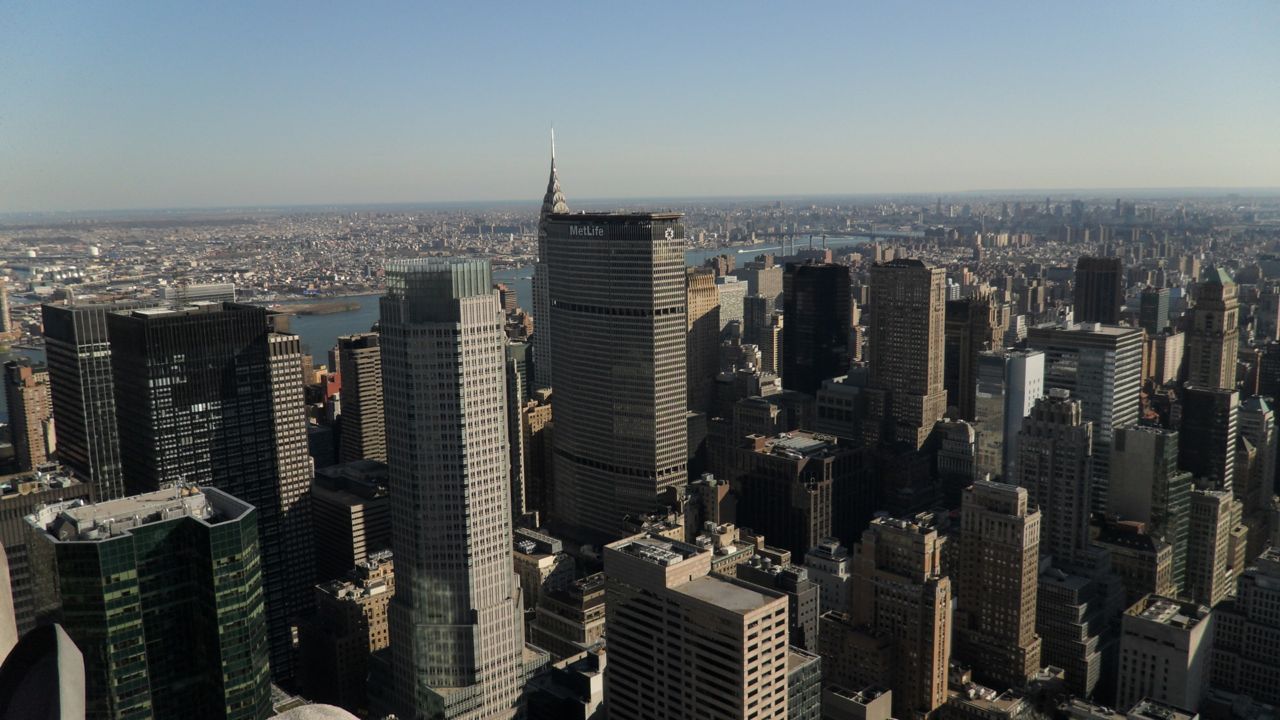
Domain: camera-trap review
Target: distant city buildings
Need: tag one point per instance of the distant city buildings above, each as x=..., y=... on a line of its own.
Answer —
x=804, y=493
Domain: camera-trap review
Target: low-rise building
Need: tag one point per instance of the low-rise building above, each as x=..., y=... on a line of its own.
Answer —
x=570, y=620
x=541, y=563
x=871, y=703
x=828, y=564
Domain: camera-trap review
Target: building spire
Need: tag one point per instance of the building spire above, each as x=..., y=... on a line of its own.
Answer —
x=553, y=201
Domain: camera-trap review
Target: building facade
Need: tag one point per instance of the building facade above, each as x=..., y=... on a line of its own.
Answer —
x=1101, y=366
x=662, y=669
x=209, y=394
x=349, y=624
x=617, y=291
x=457, y=633
x=703, y=336
x=1246, y=628
x=1055, y=456
x=1099, y=288
x=817, y=307
x=897, y=574
x=1155, y=491
x=351, y=512
x=21, y=495
x=1214, y=337
x=364, y=432
x=552, y=202
x=907, y=319
x=996, y=584
x=1007, y=387
x=26, y=393
x=1208, y=574
x=78, y=350
x=1165, y=647
x=1211, y=417
x=155, y=590
x=972, y=327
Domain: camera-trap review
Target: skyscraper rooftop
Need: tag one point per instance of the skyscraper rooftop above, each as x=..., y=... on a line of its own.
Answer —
x=75, y=521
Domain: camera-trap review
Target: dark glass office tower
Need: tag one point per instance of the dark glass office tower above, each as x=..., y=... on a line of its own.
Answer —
x=208, y=394
x=1210, y=428
x=1099, y=289
x=1153, y=312
x=162, y=593
x=815, y=338
x=1153, y=491
x=972, y=327
x=617, y=290
x=83, y=389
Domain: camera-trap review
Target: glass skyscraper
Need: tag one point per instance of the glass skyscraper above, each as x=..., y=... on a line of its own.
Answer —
x=162, y=593
x=208, y=394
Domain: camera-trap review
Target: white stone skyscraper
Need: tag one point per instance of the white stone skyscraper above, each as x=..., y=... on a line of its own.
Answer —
x=457, y=636
x=552, y=202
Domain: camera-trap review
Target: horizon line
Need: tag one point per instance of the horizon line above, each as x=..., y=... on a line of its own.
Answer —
x=445, y=204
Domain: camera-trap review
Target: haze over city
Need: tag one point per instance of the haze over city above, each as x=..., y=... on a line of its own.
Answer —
x=134, y=105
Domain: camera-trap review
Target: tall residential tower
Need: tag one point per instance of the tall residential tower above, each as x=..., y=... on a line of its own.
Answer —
x=1215, y=332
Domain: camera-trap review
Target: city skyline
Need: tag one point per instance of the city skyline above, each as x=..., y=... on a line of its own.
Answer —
x=279, y=107
x=759, y=415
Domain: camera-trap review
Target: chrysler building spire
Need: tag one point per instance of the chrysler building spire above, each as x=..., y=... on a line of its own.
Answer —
x=553, y=201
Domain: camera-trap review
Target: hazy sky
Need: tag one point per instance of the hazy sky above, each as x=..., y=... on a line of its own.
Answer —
x=174, y=104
